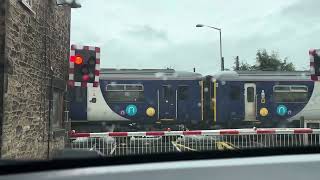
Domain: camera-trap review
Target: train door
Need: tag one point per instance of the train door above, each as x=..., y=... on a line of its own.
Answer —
x=250, y=101
x=183, y=103
x=167, y=104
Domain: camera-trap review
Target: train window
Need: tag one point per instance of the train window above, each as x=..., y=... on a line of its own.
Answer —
x=281, y=88
x=250, y=94
x=115, y=87
x=183, y=92
x=125, y=96
x=299, y=88
x=287, y=97
x=234, y=92
x=291, y=94
x=125, y=93
x=134, y=87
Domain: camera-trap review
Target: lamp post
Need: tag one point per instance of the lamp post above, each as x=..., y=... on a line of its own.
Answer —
x=219, y=29
x=70, y=3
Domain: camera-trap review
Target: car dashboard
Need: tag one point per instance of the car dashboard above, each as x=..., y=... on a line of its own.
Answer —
x=302, y=166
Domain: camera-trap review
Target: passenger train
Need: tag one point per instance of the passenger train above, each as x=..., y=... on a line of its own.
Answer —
x=151, y=99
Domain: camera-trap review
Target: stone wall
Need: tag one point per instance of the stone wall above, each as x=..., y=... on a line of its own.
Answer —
x=37, y=46
x=2, y=37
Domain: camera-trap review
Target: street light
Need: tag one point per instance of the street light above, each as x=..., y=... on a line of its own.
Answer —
x=70, y=3
x=219, y=29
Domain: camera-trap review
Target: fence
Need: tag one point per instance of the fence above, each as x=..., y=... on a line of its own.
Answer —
x=127, y=143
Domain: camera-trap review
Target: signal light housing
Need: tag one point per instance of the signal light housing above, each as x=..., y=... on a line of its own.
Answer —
x=84, y=69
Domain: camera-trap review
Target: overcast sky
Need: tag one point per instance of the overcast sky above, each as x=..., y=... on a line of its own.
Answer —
x=162, y=33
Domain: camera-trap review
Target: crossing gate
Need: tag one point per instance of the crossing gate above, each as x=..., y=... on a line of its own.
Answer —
x=129, y=143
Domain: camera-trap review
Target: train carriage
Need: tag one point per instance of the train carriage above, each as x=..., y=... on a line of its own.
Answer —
x=269, y=99
x=140, y=98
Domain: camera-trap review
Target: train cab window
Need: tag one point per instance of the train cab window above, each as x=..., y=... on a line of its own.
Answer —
x=125, y=93
x=290, y=94
x=250, y=94
x=183, y=92
x=234, y=92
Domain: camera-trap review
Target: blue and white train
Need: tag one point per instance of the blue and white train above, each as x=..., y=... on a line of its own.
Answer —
x=151, y=99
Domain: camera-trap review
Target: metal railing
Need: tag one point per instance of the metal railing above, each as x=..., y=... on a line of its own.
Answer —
x=128, y=143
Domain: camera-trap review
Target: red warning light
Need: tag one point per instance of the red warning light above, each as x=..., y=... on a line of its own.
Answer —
x=78, y=60
x=72, y=58
x=85, y=77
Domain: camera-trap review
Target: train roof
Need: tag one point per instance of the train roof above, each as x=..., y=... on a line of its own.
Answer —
x=263, y=76
x=147, y=74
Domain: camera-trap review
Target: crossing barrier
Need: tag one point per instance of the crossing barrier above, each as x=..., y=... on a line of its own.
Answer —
x=128, y=143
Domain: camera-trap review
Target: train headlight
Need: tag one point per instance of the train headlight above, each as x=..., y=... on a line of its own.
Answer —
x=264, y=112
x=150, y=111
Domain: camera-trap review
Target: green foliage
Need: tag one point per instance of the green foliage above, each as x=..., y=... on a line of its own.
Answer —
x=245, y=67
x=266, y=62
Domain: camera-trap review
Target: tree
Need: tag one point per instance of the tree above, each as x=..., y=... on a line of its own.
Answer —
x=245, y=67
x=241, y=66
x=287, y=67
x=266, y=62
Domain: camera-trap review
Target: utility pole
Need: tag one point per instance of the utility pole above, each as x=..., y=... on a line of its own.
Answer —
x=237, y=63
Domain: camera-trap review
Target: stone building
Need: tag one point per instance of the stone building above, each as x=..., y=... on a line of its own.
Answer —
x=34, y=51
